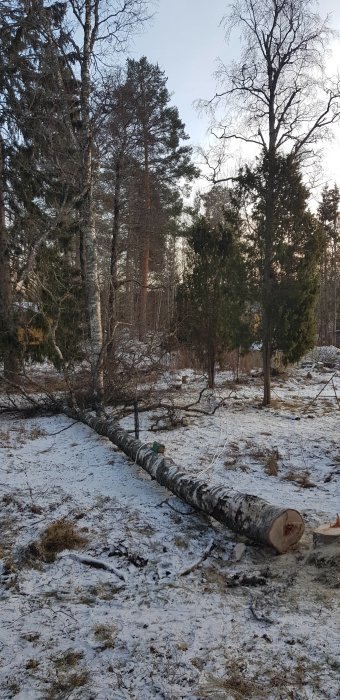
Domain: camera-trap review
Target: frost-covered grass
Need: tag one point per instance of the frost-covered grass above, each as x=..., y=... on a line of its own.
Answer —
x=243, y=624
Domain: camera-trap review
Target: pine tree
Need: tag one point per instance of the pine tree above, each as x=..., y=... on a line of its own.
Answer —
x=145, y=166
x=163, y=160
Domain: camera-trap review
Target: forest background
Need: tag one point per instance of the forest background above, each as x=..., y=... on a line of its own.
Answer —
x=100, y=253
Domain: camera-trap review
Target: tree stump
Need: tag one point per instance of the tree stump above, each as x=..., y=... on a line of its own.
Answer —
x=327, y=534
x=326, y=543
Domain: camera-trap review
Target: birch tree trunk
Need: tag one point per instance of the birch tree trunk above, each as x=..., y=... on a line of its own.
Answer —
x=92, y=290
x=247, y=515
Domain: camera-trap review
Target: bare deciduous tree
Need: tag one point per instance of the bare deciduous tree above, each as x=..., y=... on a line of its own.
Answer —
x=279, y=98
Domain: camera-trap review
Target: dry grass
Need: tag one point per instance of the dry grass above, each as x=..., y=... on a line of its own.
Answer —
x=4, y=438
x=59, y=535
x=70, y=658
x=213, y=578
x=233, y=446
x=68, y=677
x=63, y=686
x=232, y=686
x=300, y=478
x=294, y=404
x=31, y=636
x=271, y=464
x=181, y=543
x=106, y=636
x=269, y=458
x=239, y=683
x=35, y=433
x=16, y=435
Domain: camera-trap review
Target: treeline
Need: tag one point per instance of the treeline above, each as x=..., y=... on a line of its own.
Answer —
x=96, y=244
x=94, y=165
x=220, y=301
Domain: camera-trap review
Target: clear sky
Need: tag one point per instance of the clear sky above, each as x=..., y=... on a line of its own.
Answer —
x=185, y=38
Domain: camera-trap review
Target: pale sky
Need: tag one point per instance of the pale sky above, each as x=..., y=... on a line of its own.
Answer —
x=185, y=39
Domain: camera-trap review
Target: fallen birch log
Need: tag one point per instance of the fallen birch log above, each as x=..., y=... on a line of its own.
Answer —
x=245, y=514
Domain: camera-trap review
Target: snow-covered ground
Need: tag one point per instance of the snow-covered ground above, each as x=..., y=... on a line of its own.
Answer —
x=245, y=623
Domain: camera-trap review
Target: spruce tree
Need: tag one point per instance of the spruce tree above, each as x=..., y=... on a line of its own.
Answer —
x=213, y=302
x=328, y=214
x=296, y=251
x=40, y=164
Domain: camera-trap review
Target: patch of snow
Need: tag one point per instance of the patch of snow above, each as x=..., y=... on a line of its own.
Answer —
x=324, y=353
x=69, y=630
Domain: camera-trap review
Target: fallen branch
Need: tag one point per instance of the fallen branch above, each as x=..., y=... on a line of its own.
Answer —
x=244, y=513
x=243, y=579
x=166, y=502
x=260, y=617
x=318, y=394
x=121, y=551
x=97, y=564
x=171, y=407
x=200, y=561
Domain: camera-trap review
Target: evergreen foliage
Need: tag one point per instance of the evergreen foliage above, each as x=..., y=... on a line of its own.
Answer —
x=328, y=214
x=40, y=174
x=297, y=247
x=147, y=165
x=212, y=299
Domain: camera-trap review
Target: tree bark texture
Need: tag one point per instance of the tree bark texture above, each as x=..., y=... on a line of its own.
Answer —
x=112, y=313
x=245, y=514
x=267, y=269
x=146, y=245
x=7, y=326
x=89, y=232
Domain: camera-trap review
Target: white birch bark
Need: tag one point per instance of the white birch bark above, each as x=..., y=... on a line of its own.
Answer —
x=89, y=230
x=245, y=514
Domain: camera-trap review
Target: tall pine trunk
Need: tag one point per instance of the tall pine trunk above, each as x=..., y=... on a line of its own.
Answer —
x=267, y=321
x=146, y=246
x=112, y=314
x=335, y=284
x=211, y=364
x=8, y=339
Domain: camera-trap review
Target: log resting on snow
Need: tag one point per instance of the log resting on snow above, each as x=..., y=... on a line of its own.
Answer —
x=245, y=514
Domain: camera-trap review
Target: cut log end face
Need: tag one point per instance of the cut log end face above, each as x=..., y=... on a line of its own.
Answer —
x=286, y=530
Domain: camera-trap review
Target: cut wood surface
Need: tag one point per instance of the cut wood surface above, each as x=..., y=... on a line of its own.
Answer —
x=326, y=535
x=245, y=514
